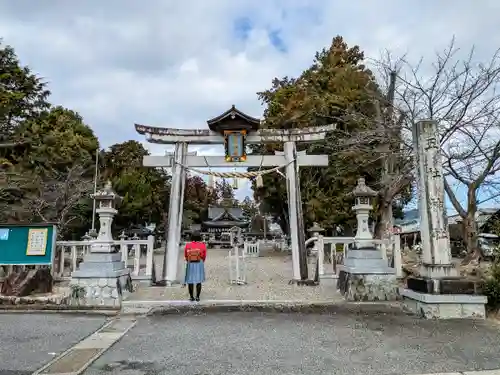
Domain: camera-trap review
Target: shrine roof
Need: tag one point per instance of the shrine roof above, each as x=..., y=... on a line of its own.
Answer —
x=226, y=224
x=221, y=213
x=233, y=118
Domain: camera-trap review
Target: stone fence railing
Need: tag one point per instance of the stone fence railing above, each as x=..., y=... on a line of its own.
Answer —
x=137, y=255
x=328, y=253
x=277, y=244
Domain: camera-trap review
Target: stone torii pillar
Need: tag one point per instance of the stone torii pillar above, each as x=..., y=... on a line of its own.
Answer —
x=234, y=129
x=176, y=204
x=299, y=257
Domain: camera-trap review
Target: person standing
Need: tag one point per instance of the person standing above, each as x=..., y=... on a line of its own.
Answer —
x=195, y=254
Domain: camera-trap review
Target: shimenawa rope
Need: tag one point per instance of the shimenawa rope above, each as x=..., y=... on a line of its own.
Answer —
x=234, y=174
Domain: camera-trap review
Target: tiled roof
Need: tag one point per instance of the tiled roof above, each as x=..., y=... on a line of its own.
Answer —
x=215, y=213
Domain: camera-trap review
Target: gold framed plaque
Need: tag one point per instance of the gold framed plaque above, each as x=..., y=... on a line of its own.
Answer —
x=234, y=144
x=37, y=241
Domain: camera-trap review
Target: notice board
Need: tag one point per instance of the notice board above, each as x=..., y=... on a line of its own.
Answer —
x=27, y=244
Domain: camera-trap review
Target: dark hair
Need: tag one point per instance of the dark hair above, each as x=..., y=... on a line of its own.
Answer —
x=195, y=237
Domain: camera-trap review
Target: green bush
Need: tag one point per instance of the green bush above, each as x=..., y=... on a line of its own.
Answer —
x=491, y=287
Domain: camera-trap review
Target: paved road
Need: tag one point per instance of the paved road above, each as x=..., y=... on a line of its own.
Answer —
x=258, y=343
x=28, y=341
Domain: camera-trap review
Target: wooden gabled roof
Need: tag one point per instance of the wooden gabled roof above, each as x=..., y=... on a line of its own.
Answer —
x=233, y=117
x=222, y=213
x=225, y=217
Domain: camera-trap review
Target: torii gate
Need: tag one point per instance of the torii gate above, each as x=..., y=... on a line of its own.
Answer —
x=234, y=129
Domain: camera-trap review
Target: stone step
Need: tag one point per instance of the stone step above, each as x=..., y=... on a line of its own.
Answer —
x=135, y=310
x=160, y=307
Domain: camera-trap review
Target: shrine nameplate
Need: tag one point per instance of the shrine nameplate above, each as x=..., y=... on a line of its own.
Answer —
x=234, y=142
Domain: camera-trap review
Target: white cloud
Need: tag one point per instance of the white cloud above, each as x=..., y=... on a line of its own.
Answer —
x=179, y=63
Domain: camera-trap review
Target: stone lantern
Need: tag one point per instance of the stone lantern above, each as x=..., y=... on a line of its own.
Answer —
x=315, y=232
x=103, y=276
x=107, y=201
x=364, y=196
x=365, y=275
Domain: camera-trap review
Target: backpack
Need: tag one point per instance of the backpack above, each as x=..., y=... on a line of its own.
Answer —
x=193, y=254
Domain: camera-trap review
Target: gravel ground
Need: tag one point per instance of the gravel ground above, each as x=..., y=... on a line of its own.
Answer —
x=257, y=343
x=267, y=279
x=28, y=341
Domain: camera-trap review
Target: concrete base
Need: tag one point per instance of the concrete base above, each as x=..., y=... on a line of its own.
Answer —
x=102, y=280
x=448, y=285
x=436, y=271
x=328, y=279
x=368, y=287
x=365, y=276
x=444, y=306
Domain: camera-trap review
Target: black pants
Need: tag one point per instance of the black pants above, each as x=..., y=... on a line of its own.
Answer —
x=191, y=290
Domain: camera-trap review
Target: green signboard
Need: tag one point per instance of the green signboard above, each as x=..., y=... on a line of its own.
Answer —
x=29, y=244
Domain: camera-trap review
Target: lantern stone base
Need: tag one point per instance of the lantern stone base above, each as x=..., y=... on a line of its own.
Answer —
x=368, y=287
x=365, y=276
x=102, y=280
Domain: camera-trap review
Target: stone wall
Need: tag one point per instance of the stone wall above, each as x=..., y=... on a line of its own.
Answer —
x=48, y=300
x=100, y=291
x=368, y=287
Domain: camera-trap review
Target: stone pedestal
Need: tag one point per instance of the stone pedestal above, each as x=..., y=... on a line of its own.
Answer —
x=444, y=306
x=441, y=294
x=446, y=298
x=365, y=276
x=102, y=280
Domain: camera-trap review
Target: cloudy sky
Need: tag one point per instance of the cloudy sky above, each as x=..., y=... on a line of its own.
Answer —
x=178, y=63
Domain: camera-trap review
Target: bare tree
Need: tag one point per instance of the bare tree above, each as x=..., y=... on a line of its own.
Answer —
x=58, y=196
x=462, y=95
x=383, y=139
x=394, y=150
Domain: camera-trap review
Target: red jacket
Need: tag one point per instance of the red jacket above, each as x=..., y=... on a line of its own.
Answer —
x=196, y=245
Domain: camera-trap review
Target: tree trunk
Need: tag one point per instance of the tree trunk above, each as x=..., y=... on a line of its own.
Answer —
x=469, y=228
x=471, y=240
x=383, y=228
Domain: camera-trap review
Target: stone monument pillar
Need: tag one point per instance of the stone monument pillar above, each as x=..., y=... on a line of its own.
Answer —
x=436, y=252
x=439, y=292
x=365, y=275
x=102, y=276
